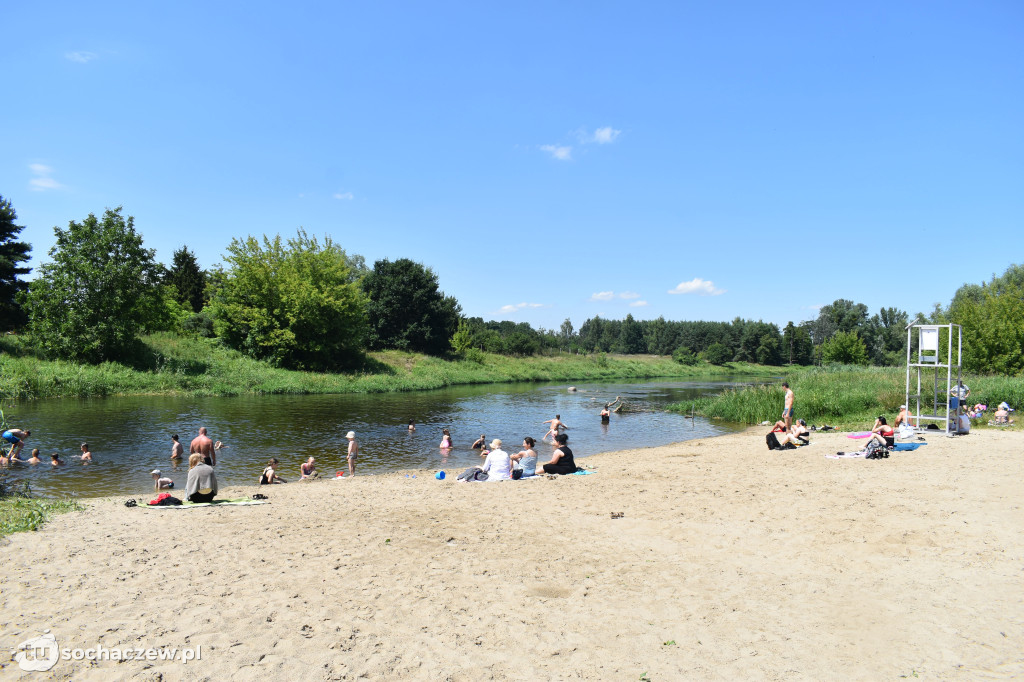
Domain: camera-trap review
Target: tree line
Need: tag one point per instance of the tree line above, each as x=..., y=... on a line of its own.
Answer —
x=306, y=304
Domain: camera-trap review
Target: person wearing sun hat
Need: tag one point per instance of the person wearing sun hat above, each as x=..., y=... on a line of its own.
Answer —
x=353, y=452
x=902, y=418
x=160, y=483
x=498, y=465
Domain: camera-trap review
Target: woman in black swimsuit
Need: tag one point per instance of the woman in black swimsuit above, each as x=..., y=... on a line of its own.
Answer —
x=561, y=460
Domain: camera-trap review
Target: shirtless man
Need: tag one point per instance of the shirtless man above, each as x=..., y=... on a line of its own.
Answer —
x=177, y=449
x=204, y=446
x=16, y=439
x=34, y=459
x=86, y=455
x=787, y=407
x=557, y=425
x=903, y=417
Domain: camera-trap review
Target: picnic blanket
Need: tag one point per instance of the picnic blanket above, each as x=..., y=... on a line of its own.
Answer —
x=238, y=501
x=905, y=447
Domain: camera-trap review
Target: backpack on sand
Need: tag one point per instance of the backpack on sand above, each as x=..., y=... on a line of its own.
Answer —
x=772, y=441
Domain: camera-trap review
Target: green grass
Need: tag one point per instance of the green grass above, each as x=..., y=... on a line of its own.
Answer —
x=844, y=396
x=22, y=513
x=166, y=364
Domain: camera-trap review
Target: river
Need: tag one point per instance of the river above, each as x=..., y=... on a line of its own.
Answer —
x=131, y=436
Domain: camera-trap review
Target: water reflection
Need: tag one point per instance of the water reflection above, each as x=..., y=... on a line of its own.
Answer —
x=129, y=437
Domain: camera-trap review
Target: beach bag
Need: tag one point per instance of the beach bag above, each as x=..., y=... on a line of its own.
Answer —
x=875, y=450
x=772, y=441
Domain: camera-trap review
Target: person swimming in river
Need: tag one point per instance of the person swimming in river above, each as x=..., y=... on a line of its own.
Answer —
x=605, y=413
x=479, y=443
x=86, y=456
x=446, y=440
x=556, y=427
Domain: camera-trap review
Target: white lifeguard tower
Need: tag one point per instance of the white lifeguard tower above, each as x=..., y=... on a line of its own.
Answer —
x=940, y=352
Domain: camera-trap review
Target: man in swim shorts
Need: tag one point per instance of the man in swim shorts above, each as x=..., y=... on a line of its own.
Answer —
x=556, y=426
x=203, y=444
x=16, y=439
x=787, y=407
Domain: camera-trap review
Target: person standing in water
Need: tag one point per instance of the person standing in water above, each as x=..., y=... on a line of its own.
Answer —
x=556, y=426
x=353, y=452
x=203, y=444
x=16, y=439
x=177, y=449
x=605, y=412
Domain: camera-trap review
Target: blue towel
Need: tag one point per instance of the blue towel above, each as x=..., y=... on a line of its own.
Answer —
x=904, y=447
x=583, y=472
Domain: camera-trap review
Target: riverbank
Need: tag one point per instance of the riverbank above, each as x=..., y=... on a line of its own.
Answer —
x=729, y=561
x=172, y=365
x=847, y=396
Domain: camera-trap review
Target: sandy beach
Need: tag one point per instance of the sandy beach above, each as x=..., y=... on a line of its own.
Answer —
x=729, y=562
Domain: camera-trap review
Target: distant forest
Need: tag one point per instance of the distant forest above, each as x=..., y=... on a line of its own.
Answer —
x=302, y=304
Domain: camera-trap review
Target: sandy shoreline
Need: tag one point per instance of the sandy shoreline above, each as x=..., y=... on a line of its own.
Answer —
x=730, y=562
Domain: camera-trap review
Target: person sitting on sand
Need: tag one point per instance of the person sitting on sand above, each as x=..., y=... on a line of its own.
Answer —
x=34, y=459
x=159, y=482
x=783, y=436
x=883, y=433
x=902, y=418
x=562, y=461
x=269, y=475
x=525, y=462
x=1003, y=415
x=800, y=431
x=55, y=460
x=478, y=444
x=16, y=438
x=201, y=485
x=86, y=455
x=446, y=440
x=195, y=459
x=308, y=469
x=498, y=465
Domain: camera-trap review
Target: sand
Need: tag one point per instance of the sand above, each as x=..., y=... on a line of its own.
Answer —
x=729, y=562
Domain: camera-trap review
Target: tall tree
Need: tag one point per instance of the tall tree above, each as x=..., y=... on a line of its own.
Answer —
x=101, y=289
x=12, y=253
x=407, y=309
x=188, y=279
x=292, y=303
x=631, y=337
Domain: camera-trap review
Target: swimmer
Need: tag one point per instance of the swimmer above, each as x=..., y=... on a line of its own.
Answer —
x=160, y=483
x=34, y=459
x=446, y=440
x=269, y=474
x=557, y=425
x=16, y=438
x=204, y=446
x=55, y=460
x=412, y=425
x=86, y=455
x=177, y=449
x=605, y=414
x=478, y=444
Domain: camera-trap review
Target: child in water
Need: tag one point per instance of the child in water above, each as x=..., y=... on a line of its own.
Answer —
x=446, y=440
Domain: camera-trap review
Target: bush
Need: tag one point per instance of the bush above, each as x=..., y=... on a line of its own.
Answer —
x=717, y=354
x=684, y=356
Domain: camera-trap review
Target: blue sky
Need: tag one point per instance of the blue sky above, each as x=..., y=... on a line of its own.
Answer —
x=547, y=160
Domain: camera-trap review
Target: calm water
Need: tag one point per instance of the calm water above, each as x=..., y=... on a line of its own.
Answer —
x=129, y=437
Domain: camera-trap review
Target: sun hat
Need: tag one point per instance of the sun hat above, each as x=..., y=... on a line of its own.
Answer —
x=496, y=444
x=154, y=472
x=350, y=434
x=903, y=407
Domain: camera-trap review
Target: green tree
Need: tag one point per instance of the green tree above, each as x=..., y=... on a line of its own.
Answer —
x=566, y=335
x=796, y=345
x=188, y=279
x=684, y=356
x=845, y=348
x=407, y=309
x=12, y=253
x=631, y=337
x=100, y=291
x=992, y=316
x=296, y=304
x=717, y=354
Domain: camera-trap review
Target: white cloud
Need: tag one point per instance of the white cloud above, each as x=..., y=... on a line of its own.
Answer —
x=344, y=196
x=516, y=307
x=814, y=307
x=42, y=180
x=602, y=296
x=82, y=56
x=606, y=135
x=629, y=294
x=562, y=153
x=698, y=286
x=638, y=304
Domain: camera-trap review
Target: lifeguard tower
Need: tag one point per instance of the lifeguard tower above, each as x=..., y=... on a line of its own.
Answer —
x=940, y=354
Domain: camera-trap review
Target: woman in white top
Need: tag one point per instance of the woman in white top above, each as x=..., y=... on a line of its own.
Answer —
x=498, y=465
x=526, y=461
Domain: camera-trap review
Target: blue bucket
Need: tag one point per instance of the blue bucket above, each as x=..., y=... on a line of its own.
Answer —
x=439, y=475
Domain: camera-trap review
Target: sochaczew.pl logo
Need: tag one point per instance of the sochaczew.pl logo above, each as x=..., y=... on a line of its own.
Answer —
x=38, y=654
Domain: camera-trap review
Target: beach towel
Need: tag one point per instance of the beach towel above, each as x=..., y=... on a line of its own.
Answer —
x=859, y=434
x=239, y=501
x=583, y=472
x=906, y=447
x=847, y=455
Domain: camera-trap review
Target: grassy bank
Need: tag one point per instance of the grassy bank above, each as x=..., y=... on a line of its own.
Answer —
x=172, y=365
x=846, y=396
x=25, y=513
